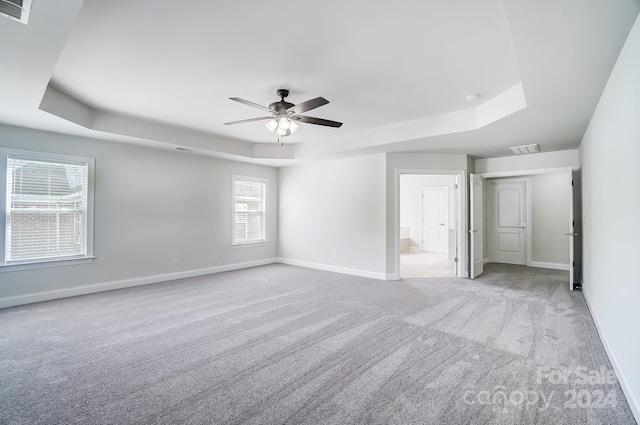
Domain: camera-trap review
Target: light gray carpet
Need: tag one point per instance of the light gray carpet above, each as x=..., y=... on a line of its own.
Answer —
x=281, y=344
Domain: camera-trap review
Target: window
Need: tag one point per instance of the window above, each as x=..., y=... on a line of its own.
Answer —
x=47, y=208
x=249, y=210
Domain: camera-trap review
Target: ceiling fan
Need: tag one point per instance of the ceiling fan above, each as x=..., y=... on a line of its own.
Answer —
x=284, y=115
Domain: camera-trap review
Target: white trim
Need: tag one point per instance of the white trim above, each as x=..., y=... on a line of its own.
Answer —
x=461, y=217
x=633, y=402
x=337, y=269
x=554, y=266
x=529, y=221
x=538, y=264
x=119, y=284
x=521, y=173
x=46, y=263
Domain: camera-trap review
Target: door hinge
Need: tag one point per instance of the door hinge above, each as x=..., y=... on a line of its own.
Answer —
x=573, y=222
x=455, y=186
x=455, y=259
x=571, y=182
x=573, y=264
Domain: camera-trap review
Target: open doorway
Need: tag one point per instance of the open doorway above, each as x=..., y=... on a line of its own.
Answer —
x=529, y=218
x=429, y=215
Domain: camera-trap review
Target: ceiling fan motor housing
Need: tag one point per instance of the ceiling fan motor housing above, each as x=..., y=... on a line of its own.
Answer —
x=282, y=106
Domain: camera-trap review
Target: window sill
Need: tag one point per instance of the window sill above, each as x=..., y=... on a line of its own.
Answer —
x=45, y=264
x=247, y=244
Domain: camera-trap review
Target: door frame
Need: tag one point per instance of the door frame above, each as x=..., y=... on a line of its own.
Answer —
x=461, y=216
x=522, y=173
x=446, y=215
x=489, y=218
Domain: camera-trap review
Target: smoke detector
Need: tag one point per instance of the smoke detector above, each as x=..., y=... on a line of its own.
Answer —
x=473, y=97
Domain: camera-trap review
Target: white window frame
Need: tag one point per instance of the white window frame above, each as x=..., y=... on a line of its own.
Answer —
x=53, y=157
x=265, y=209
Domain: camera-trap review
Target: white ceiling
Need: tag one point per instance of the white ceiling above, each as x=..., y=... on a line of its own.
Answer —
x=396, y=73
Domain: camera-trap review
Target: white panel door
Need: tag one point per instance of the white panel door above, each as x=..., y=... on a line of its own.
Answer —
x=509, y=220
x=477, y=229
x=434, y=219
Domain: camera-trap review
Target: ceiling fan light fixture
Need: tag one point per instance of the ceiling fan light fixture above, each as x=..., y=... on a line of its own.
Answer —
x=272, y=125
x=283, y=123
x=284, y=116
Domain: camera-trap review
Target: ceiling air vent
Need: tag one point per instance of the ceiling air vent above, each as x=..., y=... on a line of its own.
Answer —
x=524, y=149
x=16, y=9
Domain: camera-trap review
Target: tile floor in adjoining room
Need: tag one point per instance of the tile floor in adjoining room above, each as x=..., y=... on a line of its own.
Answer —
x=425, y=264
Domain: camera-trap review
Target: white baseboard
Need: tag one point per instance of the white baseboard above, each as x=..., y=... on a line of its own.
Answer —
x=119, y=284
x=335, y=269
x=634, y=404
x=554, y=266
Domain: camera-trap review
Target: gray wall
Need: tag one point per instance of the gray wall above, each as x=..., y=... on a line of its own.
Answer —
x=150, y=205
x=611, y=200
x=348, y=207
x=550, y=203
x=335, y=206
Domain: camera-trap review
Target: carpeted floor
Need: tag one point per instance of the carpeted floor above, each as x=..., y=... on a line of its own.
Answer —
x=286, y=345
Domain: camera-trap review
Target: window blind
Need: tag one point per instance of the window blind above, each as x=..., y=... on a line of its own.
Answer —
x=46, y=209
x=249, y=224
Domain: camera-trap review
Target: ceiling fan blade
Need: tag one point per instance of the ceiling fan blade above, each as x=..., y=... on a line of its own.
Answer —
x=318, y=121
x=249, y=120
x=308, y=105
x=255, y=105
